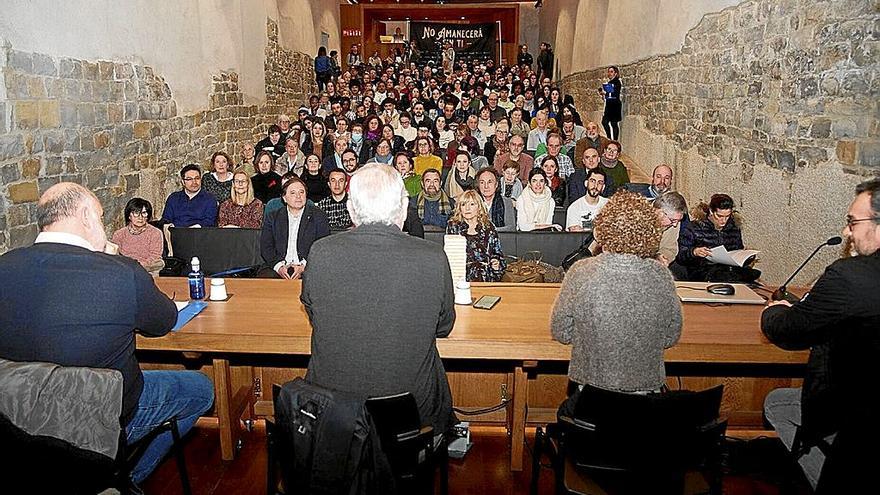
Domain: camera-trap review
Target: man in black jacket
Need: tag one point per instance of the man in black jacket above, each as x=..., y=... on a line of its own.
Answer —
x=545, y=62
x=64, y=301
x=377, y=300
x=839, y=321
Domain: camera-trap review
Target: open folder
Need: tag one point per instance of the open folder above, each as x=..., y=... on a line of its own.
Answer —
x=187, y=311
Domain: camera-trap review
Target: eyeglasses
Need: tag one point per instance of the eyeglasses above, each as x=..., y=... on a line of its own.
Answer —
x=240, y=182
x=672, y=221
x=191, y=179
x=140, y=214
x=850, y=221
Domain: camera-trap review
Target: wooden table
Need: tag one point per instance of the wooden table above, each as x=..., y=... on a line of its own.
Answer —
x=517, y=330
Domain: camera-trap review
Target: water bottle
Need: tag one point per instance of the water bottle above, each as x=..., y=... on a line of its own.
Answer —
x=196, y=281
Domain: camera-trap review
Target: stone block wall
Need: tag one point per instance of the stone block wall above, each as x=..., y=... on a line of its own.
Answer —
x=114, y=127
x=774, y=102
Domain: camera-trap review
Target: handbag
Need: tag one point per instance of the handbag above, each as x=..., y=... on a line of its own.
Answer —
x=526, y=269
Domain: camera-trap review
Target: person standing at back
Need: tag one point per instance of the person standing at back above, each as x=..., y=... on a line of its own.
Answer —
x=376, y=353
x=64, y=301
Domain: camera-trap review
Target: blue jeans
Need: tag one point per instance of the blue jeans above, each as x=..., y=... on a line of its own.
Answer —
x=185, y=394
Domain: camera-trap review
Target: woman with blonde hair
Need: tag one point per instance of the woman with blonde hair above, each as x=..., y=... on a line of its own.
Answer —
x=619, y=310
x=242, y=209
x=485, y=260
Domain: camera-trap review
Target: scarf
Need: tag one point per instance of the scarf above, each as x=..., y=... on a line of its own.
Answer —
x=496, y=211
x=536, y=207
x=500, y=147
x=444, y=207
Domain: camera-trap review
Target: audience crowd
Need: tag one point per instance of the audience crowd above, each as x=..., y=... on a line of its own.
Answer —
x=506, y=133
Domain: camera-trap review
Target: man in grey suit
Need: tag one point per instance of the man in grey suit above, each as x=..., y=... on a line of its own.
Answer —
x=377, y=300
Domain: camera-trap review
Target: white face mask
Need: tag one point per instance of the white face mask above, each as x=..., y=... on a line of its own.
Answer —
x=356, y=137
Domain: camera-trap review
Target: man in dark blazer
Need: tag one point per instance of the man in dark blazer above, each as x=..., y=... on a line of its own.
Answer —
x=377, y=300
x=64, y=301
x=283, y=259
x=829, y=423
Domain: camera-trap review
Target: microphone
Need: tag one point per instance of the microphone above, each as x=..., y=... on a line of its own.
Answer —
x=781, y=292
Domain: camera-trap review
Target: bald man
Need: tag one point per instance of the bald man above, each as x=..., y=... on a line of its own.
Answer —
x=661, y=182
x=64, y=301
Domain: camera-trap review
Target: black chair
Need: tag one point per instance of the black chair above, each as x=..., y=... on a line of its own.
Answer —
x=635, y=443
x=412, y=450
x=45, y=455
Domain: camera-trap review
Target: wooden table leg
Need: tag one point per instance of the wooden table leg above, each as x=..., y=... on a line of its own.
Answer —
x=229, y=428
x=518, y=426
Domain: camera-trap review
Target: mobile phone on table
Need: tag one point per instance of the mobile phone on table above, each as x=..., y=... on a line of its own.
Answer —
x=487, y=302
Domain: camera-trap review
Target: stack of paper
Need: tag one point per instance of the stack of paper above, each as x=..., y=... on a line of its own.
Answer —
x=455, y=247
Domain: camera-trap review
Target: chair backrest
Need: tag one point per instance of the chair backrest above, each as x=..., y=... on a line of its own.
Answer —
x=61, y=425
x=404, y=440
x=660, y=432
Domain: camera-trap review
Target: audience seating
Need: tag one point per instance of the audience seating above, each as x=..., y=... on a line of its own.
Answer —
x=635, y=443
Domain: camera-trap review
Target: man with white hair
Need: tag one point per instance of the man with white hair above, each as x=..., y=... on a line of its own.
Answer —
x=64, y=301
x=356, y=348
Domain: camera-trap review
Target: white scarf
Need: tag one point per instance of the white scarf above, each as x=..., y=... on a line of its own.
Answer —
x=537, y=208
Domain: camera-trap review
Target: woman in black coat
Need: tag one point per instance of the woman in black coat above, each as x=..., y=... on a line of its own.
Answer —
x=611, y=92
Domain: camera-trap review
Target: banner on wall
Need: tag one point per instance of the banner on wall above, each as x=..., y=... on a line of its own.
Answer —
x=470, y=41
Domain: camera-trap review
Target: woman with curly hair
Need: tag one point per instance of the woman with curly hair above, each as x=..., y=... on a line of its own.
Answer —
x=619, y=310
x=485, y=260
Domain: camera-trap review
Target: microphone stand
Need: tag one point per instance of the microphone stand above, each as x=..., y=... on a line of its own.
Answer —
x=782, y=292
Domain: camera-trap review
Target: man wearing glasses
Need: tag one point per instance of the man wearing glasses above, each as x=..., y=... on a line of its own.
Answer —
x=192, y=206
x=671, y=210
x=829, y=423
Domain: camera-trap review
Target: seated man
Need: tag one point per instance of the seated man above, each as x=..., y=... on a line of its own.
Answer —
x=592, y=139
x=577, y=181
x=433, y=205
x=66, y=302
x=335, y=206
x=671, y=209
x=192, y=206
x=272, y=143
x=554, y=145
x=288, y=233
x=501, y=209
x=828, y=423
x=583, y=211
x=516, y=144
x=356, y=348
x=661, y=181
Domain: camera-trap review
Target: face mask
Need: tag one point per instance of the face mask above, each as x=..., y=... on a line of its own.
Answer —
x=356, y=137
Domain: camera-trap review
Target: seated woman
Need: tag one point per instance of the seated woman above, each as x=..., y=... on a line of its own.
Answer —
x=485, y=260
x=556, y=184
x=267, y=183
x=462, y=176
x=619, y=310
x=411, y=180
x=318, y=141
x=139, y=240
x=383, y=153
x=397, y=142
x=535, y=206
x=712, y=225
x=425, y=157
x=242, y=209
x=314, y=180
x=218, y=182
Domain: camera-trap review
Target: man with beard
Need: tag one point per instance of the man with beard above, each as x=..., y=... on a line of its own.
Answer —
x=515, y=145
x=613, y=167
x=418, y=115
x=583, y=211
x=336, y=205
x=592, y=139
x=433, y=205
x=576, y=188
x=661, y=181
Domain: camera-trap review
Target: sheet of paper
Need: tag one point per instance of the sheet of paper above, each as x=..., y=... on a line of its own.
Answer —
x=180, y=304
x=455, y=247
x=721, y=256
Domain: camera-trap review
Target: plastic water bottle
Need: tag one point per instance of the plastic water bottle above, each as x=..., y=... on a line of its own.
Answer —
x=196, y=281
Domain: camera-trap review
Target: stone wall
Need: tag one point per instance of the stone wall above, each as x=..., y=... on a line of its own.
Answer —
x=114, y=127
x=774, y=102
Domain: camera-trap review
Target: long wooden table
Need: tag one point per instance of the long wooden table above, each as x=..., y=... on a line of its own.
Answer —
x=265, y=317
